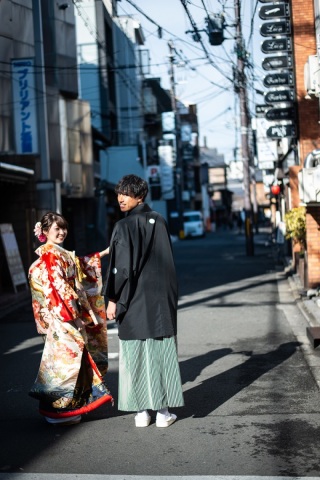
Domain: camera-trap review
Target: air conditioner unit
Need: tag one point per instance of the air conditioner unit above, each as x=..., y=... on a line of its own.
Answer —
x=312, y=76
x=309, y=185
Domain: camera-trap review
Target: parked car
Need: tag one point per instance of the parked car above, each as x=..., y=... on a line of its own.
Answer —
x=193, y=225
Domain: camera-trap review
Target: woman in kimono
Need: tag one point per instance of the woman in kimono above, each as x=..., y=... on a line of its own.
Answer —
x=142, y=289
x=69, y=312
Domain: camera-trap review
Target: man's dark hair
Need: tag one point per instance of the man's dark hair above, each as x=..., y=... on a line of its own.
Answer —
x=133, y=186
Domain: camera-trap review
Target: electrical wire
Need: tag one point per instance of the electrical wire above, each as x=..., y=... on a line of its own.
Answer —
x=177, y=39
x=194, y=28
x=92, y=30
x=198, y=36
x=217, y=116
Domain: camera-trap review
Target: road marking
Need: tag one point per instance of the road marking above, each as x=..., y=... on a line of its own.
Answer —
x=84, y=476
x=113, y=331
x=113, y=355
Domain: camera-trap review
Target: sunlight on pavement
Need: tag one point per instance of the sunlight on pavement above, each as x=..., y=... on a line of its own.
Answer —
x=31, y=342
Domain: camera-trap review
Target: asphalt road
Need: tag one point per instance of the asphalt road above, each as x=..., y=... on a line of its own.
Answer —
x=252, y=404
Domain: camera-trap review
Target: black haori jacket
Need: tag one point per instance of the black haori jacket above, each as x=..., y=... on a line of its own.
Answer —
x=141, y=276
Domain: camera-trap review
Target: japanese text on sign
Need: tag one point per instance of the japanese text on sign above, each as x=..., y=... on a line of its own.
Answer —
x=24, y=98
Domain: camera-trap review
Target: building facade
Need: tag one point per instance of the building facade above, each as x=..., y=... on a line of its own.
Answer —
x=305, y=20
x=76, y=116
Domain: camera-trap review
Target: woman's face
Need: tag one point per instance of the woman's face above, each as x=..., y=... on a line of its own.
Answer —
x=56, y=234
x=127, y=203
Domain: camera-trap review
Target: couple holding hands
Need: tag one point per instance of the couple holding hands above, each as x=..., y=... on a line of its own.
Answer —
x=69, y=310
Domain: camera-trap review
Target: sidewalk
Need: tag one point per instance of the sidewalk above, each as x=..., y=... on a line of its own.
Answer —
x=308, y=305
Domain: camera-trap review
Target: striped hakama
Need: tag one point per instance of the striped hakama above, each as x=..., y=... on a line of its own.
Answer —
x=149, y=375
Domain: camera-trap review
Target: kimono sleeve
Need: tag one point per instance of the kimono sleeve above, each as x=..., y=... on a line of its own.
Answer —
x=90, y=266
x=60, y=296
x=90, y=280
x=120, y=271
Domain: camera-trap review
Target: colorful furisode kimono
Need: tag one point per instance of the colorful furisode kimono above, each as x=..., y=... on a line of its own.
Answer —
x=63, y=288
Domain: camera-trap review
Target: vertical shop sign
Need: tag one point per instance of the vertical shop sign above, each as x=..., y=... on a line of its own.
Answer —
x=24, y=103
x=166, y=170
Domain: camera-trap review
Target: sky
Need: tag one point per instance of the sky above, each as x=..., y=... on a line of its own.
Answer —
x=203, y=75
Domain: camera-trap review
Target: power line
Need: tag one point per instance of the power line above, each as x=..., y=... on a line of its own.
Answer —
x=217, y=116
x=252, y=21
x=199, y=39
x=147, y=17
x=92, y=30
x=195, y=29
x=211, y=81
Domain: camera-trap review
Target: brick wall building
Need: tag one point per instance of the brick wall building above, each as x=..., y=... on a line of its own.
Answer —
x=304, y=44
x=313, y=239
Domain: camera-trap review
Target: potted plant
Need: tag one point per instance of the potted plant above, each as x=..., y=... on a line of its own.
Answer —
x=295, y=221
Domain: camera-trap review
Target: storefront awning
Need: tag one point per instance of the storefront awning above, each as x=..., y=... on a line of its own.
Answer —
x=14, y=173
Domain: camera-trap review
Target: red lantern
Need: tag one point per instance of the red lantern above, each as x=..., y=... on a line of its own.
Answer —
x=275, y=189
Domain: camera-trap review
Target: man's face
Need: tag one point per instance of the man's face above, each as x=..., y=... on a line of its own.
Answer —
x=127, y=203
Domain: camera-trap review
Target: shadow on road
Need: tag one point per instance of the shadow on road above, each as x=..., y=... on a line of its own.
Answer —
x=220, y=259
x=190, y=369
x=203, y=399
x=228, y=291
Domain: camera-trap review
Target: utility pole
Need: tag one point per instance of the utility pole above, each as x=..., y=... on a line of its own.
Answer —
x=244, y=124
x=48, y=191
x=41, y=91
x=178, y=169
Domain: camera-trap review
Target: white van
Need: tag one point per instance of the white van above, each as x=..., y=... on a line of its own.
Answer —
x=193, y=225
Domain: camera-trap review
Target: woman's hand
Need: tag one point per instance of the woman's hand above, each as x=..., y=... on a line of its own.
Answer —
x=105, y=252
x=111, y=310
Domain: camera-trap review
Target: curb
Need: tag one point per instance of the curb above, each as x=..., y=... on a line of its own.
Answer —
x=307, y=306
x=311, y=314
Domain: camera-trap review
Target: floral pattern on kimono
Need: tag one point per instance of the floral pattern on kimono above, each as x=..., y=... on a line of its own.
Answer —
x=64, y=288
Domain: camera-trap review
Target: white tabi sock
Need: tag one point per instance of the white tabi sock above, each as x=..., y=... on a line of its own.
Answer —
x=142, y=414
x=163, y=414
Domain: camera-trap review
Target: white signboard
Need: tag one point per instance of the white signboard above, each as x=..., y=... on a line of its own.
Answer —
x=165, y=153
x=267, y=149
x=24, y=106
x=168, y=122
x=186, y=132
x=268, y=165
x=12, y=253
x=144, y=62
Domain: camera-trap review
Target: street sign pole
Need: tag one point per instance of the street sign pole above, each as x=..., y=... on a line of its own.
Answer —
x=179, y=169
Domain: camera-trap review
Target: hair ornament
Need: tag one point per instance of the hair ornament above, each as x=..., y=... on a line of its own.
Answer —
x=38, y=232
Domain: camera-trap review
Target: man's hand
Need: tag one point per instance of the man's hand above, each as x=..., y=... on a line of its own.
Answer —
x=80, y=324
x=111, y=310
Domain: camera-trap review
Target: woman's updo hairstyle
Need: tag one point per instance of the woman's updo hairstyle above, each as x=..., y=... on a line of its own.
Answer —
x=49, y=218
